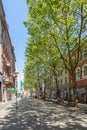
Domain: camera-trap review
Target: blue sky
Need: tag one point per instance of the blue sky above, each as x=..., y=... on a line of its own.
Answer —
x=16, y=14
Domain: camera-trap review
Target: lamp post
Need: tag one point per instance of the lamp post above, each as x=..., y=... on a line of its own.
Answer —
x=16, y=73
x=16, y=99
x=2, y=88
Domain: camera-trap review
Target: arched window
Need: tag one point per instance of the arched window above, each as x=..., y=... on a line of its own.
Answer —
x=84, y=71
x=78, y=73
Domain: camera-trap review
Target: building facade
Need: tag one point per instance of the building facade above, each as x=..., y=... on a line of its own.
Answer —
x=63, y=80
x=2, y=16
x=7, y=60
x=81, y=78
x=0, y=65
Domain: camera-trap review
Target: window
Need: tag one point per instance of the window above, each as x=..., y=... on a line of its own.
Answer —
x=66, y=80
x=78, y=73
x=65, y=71
x=79, y=58
x=60, y=73
x=85, y=70
x=85, y=54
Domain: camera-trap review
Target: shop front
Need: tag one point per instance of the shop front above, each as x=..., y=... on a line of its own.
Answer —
x=10, y=91
x=81, y=95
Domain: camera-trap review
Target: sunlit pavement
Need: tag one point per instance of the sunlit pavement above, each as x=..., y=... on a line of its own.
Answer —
x=34, y=114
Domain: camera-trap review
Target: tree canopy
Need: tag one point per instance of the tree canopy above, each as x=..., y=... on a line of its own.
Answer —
x=57, y=31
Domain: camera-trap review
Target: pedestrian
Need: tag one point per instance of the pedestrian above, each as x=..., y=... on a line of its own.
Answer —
x=76, y=101
x=62, y=100
x=58, y=100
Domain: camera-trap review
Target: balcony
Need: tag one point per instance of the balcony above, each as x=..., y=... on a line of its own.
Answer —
x=14, y=74
x=8, y=81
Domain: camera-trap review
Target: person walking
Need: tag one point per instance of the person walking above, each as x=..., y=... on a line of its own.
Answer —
x=58, y=100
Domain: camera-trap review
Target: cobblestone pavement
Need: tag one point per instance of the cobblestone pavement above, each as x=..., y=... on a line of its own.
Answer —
x=34, y=114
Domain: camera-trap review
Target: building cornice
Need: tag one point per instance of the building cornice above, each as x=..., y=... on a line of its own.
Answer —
x=2, y=13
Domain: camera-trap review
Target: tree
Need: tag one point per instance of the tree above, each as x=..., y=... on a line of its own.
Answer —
x=68, y=32
x=63, y=23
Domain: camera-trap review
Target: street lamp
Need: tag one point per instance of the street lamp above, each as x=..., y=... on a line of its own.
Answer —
x=15, y=75
x=3, y=88
x=16, y=99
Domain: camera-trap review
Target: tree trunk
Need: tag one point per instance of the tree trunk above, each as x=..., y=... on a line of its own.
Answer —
x=44, y=96
x=57, y=87
x=74, y=85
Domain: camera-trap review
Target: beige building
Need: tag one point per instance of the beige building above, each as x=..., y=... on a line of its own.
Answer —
x=63, y=80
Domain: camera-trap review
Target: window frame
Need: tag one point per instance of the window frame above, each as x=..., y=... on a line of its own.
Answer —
x=83, y=74
x=78, y=72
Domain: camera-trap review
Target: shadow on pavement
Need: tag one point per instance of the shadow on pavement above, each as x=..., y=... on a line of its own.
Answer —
x=34, y=114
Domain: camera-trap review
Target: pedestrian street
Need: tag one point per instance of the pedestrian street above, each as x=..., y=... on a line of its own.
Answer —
x=35, y=114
